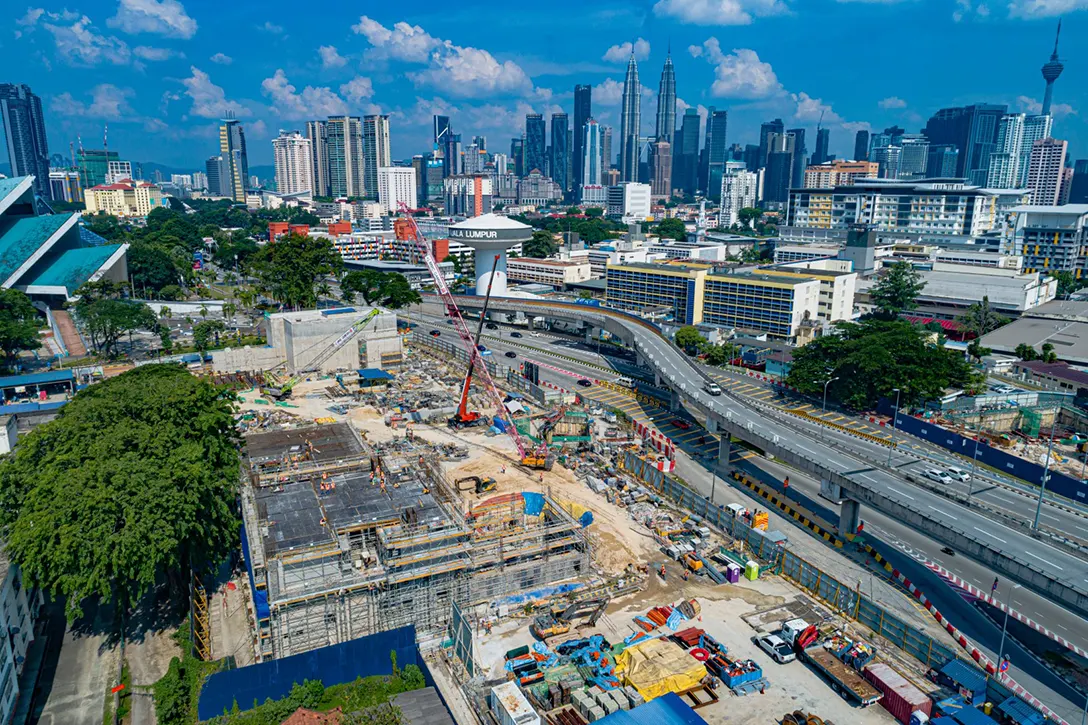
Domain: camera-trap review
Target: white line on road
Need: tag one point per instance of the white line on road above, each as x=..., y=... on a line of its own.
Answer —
x=901, y=493
x=1048, y=516
x=1045, y=561
x=987, y=533
x=954, y=518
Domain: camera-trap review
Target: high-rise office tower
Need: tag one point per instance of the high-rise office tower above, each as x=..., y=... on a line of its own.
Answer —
x=780, y=153
x=685, y=153
x=535, y=143
x=1078, y=188
x=94, y=166
x=1036, y=128
x=560, y=150
x=765, y=130
x=1067, y=185
x=715, y=150
x=376, y=152
x=751, y=156
x=441, y=131
x=592, y=154
x=317, y=132
x=861, y=146
x=661, y=170
x=455, y=153
x=1051, y=70
x=630, y=121
x=217, y=171
x=232, y=145
x=24, y=135
x=666, y=102
x=971, y=129
x=913, y=156
x=1004, y=171
x=345, y=147
x=293, y=157
x=797, y=174
x=942, y=161
x=480, y=142
x=888, y=157
x=517, y=153
x=823, y=140
x=1046, y=170
x=606, y=151
x=583, y=111
x=740, y=189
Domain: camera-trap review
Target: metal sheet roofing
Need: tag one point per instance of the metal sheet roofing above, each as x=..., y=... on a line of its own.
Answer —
x=21, y=239
x=9, y=185
x=972, y=716
x=74, y=267
x=668, y=709
x=374, y=374
x=1020, y=712
x=970, y=677
x=52, y=376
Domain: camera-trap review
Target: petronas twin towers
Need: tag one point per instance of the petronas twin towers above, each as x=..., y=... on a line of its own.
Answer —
x=631, y=121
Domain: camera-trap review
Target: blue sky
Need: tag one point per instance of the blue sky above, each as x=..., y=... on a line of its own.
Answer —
x=160, y=72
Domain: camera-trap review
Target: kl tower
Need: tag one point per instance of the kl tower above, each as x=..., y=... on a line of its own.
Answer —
x=1051, y=70
x=490, y=235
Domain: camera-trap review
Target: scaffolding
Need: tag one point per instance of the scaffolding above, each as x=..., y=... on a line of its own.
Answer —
x=345, y=540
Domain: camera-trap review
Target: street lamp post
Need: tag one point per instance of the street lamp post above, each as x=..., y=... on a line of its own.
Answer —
x=895, y=414
x=1004, y=627
x=823, y=408
x=1046, y=470
x=713, y=484
x=974, y=462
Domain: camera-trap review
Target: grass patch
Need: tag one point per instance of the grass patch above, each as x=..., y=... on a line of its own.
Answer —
x=177, y=692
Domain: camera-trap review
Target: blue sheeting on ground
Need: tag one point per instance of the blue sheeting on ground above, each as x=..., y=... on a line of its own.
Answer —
x=534, y=503
x=586, y=519
x=668, y=709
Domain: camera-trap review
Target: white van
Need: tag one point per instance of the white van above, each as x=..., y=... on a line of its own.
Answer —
x=625, y=382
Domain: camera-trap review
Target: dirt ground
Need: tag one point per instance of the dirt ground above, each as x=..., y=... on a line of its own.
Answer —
x=793, y=686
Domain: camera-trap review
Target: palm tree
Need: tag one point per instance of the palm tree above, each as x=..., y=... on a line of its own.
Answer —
x=324, y=290
x=203, y=312
x=164, y=312
x=229, y=310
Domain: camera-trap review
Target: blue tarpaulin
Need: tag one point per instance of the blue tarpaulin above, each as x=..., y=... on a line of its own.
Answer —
x=534, y=503
x=668, y=709
x=260, y=596
x=499, y=423
x=374, y=374
x=586, y=519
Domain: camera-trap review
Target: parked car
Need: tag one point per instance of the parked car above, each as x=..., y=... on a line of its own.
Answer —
x=776, y=647
x=515, y=334
x=958, y=473
x=585, y=383
x=435, y=333
x=682, y=424
x=511, y=353
x=937, y=475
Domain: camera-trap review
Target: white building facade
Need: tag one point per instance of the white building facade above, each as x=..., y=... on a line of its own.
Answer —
x=740, y=189
x=396, y=185
x=292, y=154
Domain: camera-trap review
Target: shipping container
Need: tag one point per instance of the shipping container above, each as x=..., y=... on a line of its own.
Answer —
x=901, y=698
x=510, y=706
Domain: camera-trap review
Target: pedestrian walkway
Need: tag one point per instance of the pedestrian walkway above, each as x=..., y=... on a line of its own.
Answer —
x=72, y=341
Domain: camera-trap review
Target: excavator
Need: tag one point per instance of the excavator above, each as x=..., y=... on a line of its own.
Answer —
x=559, y=621
x=480, y=485
x=279, y=390
x=541, y=457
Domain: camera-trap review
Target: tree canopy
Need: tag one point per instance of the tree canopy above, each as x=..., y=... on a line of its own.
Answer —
x=106, y=316
x=590, y=230
x=689, y=338
x=873, y=357
x=897, y=290
x=19, y=324
x=541, y=246
x=980, y=318
x=671, y=228
x=133, y=481
x=290, y=270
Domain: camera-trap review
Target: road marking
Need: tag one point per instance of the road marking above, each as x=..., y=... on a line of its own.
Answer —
x=1081, y=528
x=1048, y=516
x=987, y=533
x=1045, y=561
x=948, y=515
x=901, y=493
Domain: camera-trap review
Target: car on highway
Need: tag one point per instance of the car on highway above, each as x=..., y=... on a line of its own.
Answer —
x=510, y=353
x=515, y=333
x=481, y=348
x=585, y=383
x=682, y=424
x=449, y=322
x=1005, y=389
x=713, y=388
x=958, y=473
x=776, y=647
x=491, y=326
x=534, y=334
x=435, y=333
x=936, y=474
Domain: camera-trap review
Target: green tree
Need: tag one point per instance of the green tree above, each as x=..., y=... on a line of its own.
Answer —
x=203, y=312
x=398, y=293
x=873, y=357
x=205, y=332
x=164, y=339
x=594, y=212
x=689, y=339
x=1026, y=352
x=541, y=246
x=1048, y=355
x=151, y=268
x=171, y=292
x=976, y=351
x=19, y=324
x=1067, y=283
x=229, y=311
x=366, y=282
x=324, y=289
x=671, y=228
x=132, y=484
x=981, y=318
x=106, y=317
x=721, y=354
x=289, y=270
x=897, y=290
x=747, y=215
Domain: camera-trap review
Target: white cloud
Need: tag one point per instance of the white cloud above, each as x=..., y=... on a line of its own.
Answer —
x=108, y=103
x=620, y=53
x=166, y=17
x=310, y=103
x=146, y=52
x=892, y=102
x=719, y=12
x=330, y=58
x=357, y=89
x=209, y=100
x=1044, y=8
x=812, y=109
x=608, y=92
x=33, y=15
x=269, y=27
x=740, y=74
x=221, y=59
x=404, y=42
x=78, y=44
x=1057, y=110
x=696, y=51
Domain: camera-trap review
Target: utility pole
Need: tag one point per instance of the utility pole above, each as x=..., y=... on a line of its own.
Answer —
x=1046, y=469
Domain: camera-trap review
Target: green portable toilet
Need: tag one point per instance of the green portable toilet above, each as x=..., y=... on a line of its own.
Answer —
x=751, y=571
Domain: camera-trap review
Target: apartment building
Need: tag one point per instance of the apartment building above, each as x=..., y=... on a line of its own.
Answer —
x=839, y=173
x=1052, y=238
x=836, y=291
x=126, y=198
x=553, y=272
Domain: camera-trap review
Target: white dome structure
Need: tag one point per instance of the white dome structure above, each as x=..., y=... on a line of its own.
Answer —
x=490, y=235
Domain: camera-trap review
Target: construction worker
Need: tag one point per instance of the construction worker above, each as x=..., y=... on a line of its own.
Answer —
x=786, y=484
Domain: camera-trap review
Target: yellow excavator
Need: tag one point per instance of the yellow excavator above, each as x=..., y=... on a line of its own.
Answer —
x=559, y=620
x=541, y=458
x=480, y=485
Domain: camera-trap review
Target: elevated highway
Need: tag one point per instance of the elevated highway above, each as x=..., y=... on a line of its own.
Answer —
x=864, y=474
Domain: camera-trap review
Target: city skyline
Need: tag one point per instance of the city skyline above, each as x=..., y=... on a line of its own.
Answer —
x=162, y=79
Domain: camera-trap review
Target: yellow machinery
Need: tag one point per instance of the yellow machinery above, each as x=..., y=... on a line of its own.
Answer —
x=480, y=485
x=559, y=621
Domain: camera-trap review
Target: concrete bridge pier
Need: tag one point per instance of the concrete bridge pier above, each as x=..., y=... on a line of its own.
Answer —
x=849, y=516
x=725, y=451
x=674, y=401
